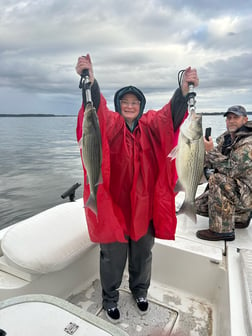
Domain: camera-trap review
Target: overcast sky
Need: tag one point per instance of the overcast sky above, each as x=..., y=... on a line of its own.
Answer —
x=141, y=42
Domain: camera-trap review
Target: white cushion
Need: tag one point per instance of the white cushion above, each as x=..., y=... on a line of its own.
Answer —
x=49, y=241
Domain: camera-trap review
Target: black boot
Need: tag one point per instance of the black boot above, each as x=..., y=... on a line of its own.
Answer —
x=215, y=236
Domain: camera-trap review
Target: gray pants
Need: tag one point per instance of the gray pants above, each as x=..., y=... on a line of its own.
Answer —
x=113, y=257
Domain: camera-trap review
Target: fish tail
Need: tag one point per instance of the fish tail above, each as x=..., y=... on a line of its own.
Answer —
x=91, y=204
x=188, y=209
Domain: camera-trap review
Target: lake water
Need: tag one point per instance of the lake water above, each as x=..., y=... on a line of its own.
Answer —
x=39, y=160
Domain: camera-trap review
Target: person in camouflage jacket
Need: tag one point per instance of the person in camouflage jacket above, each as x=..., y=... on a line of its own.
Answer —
x=227, y=200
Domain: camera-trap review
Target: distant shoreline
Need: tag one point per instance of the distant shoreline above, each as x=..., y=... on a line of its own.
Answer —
x=35, y=115
x=68, y=115
x=218, y=113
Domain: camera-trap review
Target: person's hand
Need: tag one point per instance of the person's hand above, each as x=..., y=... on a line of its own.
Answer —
x=190, y=76
x=84, y=62
x=209, y=145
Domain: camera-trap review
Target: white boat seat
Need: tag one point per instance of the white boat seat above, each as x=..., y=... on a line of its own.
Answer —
x=49, y=241
x=246, y=271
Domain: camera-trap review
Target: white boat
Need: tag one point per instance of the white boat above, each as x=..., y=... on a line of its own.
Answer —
x=49, y=281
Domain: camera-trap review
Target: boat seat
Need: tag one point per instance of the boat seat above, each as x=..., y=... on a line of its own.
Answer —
x=48, y=241
x=246, y=271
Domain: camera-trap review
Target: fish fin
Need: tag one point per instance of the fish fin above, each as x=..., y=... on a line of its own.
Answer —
x=188, y=209
x=173, y=153
x=91, y=204
x=178, y=187
x=100, y=180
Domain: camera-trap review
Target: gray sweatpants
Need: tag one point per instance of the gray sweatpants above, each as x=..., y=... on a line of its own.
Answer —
x=113, y=257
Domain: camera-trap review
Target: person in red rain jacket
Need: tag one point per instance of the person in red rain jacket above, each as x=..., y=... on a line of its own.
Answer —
x=135, y=201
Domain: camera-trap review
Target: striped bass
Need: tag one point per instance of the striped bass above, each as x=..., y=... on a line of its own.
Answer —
x=189, y=155
x=92, y=153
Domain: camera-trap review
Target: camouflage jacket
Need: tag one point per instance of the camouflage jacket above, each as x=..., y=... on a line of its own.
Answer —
x=234, y=160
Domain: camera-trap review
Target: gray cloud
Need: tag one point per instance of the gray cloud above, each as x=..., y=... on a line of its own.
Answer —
x=144, y=43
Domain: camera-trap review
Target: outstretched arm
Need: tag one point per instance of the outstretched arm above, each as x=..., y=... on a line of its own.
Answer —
x=179, y=101
x=85, y=63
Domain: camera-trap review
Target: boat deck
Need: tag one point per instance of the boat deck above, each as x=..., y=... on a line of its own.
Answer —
x=169, y=310
x=173, y=311
x=198, y=287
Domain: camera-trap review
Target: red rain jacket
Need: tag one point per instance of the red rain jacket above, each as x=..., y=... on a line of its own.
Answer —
x=138, y=177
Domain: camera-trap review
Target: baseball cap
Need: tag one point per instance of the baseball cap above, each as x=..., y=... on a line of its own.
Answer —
x=236, y=109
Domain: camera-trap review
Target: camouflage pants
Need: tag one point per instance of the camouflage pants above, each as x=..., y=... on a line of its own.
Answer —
x=221, y=203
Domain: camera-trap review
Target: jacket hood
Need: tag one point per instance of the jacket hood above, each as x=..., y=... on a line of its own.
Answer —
x=129, y=89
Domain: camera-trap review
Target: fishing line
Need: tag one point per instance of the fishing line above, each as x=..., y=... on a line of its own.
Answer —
x=180, y=77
